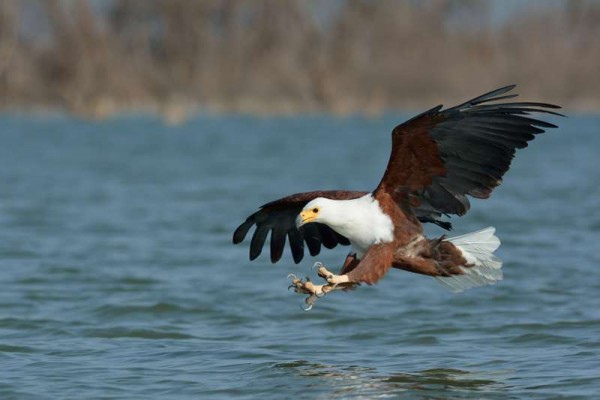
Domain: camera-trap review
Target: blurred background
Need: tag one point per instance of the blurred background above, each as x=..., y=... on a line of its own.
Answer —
x=136, y=135
x=96, y=58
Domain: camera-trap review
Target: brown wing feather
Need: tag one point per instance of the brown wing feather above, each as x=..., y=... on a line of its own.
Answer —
x=279, y=218
x=441, y=156
x=415, y=158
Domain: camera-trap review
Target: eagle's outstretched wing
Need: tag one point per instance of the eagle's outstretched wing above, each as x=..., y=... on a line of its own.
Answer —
x=279, y=217
x=441, y=156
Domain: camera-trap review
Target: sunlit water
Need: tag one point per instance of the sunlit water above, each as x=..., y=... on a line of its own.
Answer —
x=119, y=279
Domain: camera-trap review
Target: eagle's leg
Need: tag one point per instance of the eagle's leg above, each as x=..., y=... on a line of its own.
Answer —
x=338, y=282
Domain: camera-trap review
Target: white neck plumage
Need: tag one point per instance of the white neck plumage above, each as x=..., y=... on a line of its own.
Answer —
x=360, y=220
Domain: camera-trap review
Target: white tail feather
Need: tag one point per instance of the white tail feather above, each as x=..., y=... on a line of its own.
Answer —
x=478, y=249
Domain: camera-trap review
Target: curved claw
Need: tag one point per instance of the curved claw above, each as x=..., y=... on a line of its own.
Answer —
x=307, y=308
x=318, y=264
x=294, y=280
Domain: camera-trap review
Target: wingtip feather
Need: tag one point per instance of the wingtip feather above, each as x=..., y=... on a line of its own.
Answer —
x=240, y=233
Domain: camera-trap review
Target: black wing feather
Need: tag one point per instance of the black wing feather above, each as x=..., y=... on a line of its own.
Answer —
x=258, y=240
x=477, y=143
x=328, y=237
x=278, y=234
x=296, y=244
x=279, y=218
x=312, y=236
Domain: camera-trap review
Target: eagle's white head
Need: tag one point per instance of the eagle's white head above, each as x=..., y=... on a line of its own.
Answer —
x=360, y=220
x=325, y=211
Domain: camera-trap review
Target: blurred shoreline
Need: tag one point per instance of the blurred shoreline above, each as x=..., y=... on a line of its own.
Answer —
x=177, y=58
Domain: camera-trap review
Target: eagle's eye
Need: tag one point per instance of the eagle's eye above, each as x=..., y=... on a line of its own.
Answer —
x=315, y=210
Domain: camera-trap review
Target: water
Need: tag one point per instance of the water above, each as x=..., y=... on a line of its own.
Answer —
x=119, y=280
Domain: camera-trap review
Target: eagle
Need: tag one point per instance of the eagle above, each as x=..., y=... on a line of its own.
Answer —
x=438, y=158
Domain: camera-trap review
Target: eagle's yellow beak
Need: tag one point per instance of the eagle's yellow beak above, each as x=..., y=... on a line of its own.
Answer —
x=305, y=217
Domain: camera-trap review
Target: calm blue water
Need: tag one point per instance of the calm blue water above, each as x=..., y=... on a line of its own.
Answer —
x=119, y=280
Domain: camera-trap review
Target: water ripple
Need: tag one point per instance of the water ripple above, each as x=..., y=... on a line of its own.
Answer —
x=121, y=332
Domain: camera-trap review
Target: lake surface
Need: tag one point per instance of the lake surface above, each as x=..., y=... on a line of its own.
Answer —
x=119, y=279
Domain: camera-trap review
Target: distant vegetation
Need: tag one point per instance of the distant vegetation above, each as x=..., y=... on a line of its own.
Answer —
x=96, y=58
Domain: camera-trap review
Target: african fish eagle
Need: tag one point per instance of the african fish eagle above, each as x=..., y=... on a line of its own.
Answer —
x=437, y=159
